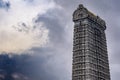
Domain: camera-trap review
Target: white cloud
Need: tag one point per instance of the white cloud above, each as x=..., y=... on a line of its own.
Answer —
x=21, y=38
x=16, y=39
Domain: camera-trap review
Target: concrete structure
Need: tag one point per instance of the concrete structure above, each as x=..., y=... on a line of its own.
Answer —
x=90, y=57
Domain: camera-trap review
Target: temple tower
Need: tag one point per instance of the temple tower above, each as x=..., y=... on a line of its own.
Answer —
x=90, y=57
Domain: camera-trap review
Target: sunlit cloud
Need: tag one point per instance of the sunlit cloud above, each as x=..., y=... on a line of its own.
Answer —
x=23, y=37
x=18, y=32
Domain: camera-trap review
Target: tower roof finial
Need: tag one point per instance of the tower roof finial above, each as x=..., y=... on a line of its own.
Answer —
x=81, y=6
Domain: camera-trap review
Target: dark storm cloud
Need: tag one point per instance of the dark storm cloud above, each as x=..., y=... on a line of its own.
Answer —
x=24, y=67
x=4, y=4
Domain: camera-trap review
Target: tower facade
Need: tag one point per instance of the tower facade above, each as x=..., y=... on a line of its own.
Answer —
x=90, y=57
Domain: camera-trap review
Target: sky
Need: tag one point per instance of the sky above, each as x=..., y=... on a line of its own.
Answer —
x=36, y=37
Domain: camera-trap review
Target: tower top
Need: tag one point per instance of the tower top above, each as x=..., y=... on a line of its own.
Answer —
x=81, y=13
x=81, y=6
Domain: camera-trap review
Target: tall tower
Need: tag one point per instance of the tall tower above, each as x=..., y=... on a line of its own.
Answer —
x=90, y=58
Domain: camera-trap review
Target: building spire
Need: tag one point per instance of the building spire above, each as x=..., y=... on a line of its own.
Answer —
x=81, y=6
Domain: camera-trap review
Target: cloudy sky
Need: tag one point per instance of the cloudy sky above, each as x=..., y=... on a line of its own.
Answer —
x=39, y=34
